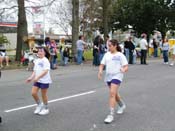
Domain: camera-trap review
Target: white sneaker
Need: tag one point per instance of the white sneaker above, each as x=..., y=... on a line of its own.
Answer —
x=165, y=63
x=38, y=109
x=109, y=119
x=44, y=112
x=171, y=64
x=120, y=110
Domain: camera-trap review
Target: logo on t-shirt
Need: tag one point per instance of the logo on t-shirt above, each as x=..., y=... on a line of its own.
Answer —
x=41, y=64
x=116, y=58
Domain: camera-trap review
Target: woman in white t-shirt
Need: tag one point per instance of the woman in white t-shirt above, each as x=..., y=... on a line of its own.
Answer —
x=116, y=65
x=42, y=79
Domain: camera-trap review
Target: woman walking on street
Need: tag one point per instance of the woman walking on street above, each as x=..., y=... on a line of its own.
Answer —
x=116, y=65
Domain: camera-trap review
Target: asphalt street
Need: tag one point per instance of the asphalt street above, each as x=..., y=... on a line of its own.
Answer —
x=79, y=101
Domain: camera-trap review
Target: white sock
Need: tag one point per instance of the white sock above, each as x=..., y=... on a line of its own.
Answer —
x=112, y=111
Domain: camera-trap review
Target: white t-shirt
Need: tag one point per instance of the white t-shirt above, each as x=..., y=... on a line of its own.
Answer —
x=114, y=63
x=143, y=44
x=42, y=64
x=173, y=48
x=165, y=46
x=80, y=45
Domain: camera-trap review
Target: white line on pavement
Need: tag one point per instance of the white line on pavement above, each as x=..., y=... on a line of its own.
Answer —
x=51, y=101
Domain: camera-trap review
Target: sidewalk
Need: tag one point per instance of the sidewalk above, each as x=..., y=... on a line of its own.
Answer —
x=14, y=66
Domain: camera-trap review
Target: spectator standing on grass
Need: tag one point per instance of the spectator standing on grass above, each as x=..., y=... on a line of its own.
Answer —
x=96, y=45
x=61, y=49
x=80, y=48
x=53, y=54
x=131, y=48
x=102, y=49
x=165, y=50
x=66, y=55
x=155, y=46
x=144, y=48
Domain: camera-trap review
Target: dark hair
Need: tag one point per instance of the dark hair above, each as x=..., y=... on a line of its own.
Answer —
x=114, y=42
x=47, y=54
x=96, y=40
x=107, y=36
x=101, y=41
x=80, y=37
x=47, y=39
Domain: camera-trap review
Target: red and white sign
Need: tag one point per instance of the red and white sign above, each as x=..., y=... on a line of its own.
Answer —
x=8, y=24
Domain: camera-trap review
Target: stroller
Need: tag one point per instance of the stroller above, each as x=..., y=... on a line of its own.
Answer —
x=31, y=57
x=28, y=59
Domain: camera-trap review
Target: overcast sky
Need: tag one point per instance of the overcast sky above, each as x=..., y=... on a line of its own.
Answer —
x=36, y=18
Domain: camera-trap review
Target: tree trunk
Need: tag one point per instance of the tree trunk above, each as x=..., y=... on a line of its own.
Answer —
x=75, y=25
x=106, y=4
x=22, y=33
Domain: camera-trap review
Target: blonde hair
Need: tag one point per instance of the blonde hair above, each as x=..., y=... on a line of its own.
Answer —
x=62, y=40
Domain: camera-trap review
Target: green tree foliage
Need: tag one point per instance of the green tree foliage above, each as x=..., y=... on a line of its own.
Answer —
x=3, y=40
x=143, y=15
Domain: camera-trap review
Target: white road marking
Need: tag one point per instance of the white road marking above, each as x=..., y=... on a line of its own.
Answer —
x=51, y=101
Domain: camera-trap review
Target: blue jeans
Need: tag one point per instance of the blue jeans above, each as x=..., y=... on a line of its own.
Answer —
x=96, y=59
x=134, y=59
x=53, y=61
x=79, y=56
x=127, y=53
x=155, y=52
x=165, y=55
x=101, y=56
x=61, y=58
x=66, y=60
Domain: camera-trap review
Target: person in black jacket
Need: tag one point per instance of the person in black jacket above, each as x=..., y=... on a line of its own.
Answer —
x=131, y=50
x=130, y=46
x=96, y=61
x=155, y=46
x=66, y=55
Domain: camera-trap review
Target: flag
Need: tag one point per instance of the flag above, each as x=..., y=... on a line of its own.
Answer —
x=36, y=9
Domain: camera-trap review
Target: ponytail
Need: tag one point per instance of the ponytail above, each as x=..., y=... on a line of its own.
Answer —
x=47, y=54
x=114, y=42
